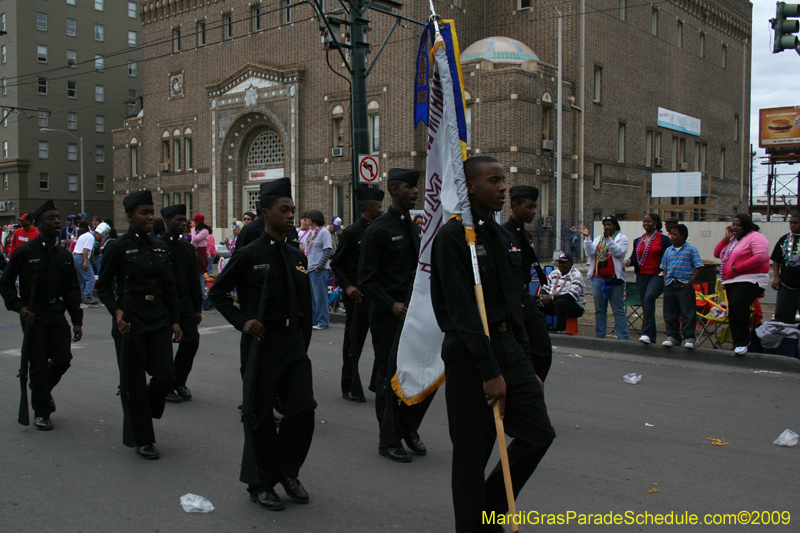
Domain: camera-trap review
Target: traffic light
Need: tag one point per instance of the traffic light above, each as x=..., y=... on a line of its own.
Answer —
x=785, y=28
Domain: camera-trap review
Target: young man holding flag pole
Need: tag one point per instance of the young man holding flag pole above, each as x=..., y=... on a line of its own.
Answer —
x=497, y=374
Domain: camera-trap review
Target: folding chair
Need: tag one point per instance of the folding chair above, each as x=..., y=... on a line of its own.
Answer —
x=634, y=302
x=712, y=316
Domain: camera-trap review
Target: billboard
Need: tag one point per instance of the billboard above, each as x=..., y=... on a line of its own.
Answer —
x=667, y=184
x=678, y=121
x=779, y=126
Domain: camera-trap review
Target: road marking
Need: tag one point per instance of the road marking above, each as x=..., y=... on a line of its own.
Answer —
x=213, y=329
x=17, y=352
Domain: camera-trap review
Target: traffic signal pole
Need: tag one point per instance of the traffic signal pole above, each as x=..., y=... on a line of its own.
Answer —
x=359, y=126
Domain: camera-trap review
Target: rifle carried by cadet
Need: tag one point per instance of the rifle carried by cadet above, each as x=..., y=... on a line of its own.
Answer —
x=124, y=375
x=24, y=417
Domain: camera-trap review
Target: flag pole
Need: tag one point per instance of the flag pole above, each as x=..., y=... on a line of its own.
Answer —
x=469, y=233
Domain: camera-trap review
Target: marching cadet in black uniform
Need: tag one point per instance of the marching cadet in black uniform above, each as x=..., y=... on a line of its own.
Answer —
x=57, y=290
x=183, y=260
x=523, y=211
x=388, y=262
x=344, y=265
x=482, y=371
x=280, y=367
x=253, y=231
x=140, y=264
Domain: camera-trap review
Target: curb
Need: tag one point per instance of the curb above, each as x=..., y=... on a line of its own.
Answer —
x=703, y=355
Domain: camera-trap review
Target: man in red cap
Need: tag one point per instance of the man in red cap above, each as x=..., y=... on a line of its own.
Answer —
x=24, y=234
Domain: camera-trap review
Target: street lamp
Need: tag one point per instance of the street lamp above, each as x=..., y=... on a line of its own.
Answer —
x=80, y=142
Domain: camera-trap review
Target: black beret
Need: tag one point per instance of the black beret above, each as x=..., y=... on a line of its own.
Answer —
x=524, y=191
x=178, y=209
x=47, y=206
x=278, y=187
x=137, y=198
x=409, y=176
x=365, y=193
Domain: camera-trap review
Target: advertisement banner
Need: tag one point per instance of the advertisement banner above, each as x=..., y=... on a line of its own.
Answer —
x=268, y=174
x=779, y=126
x=668, y=184
x=678, y=122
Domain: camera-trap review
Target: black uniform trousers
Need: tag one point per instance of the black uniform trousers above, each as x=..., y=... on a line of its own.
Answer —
x=187, y=348
x=356, y=319
x=406, y=419
x=540, y=347
x=284, y=371
x=149, y=352
x=49, y=358
x=472, y=428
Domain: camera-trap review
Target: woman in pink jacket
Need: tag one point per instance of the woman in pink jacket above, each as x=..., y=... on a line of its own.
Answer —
x=200, y=233
x=744, y=269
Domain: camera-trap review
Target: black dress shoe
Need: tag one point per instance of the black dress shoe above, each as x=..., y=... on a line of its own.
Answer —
x=353, y=398
x=148, y=451
x=395, y=453
x=414, y=444
x=294, y=489
x=43, y=423
x=184, y=393
x=173, y=398
x=268, y=499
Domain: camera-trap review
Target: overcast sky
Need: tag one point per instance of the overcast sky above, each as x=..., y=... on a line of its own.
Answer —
x=769, y=89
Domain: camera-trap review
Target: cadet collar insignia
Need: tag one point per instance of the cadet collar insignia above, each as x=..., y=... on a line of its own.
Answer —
x=402, y=217
x=480, y=222
x=272, y=242
x=519, y=228
x=301, y=269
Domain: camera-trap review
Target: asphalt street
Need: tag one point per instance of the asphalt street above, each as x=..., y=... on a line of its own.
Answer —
x=615, y=443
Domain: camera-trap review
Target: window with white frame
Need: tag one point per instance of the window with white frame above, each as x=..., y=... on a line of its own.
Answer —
x=98, y=5
x=99, y=123
x=72, y=151
x=132, y=38
x=3, y=54
x=338, y=126
x=44, y=181
x=176, y=40
x=523, y=4
x=99, y=32
x=5, y=149
x=44, y=149
x=100, y=153
x=71, y=2
x=41, y=53
x=288, y=16
x=99, y=62
x=373, y=110
x=72, y=27
x=176, y=149
x=134, y=148
x=201, y=33
x=187, y=148
x=72, y=58
x=654, y=21
x=597, y=92
x=255, y=18
x=44, y=118
x=598, y=175
x=72, y=182
x=99, y=93
x=2, y=22
x=227, y=26
x=622, y=9
x=4, y=86
x=41, y=21
x=100, y=183
x=5, y=182
x=132, y=69
x=132, y=9
x=42, y=85
x=72, y=120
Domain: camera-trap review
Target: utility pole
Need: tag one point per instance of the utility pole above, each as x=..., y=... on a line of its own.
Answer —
x=357, y=68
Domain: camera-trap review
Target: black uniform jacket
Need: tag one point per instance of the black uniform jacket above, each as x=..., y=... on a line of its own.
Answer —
x=345, y=261
x=245, y=272
x=57, y=288
x=253, y=231
x=453, y=288
x=145, y=262
x=524, y=242
x=388, y=261
x=183, y=261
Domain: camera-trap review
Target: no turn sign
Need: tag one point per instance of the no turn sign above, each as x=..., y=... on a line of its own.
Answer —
x=367, y=169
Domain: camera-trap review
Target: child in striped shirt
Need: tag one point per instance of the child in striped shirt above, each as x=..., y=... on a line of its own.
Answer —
x=680, y=266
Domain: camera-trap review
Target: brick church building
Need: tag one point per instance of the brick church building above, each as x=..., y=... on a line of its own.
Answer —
x=236, y=92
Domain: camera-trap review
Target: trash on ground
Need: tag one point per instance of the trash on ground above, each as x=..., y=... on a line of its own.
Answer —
x=648, y=425
x=193, y=503
x=632, y=378
x=651, y=491
x=574, y=355
x=576, y=427
x=765, y=372
x=787, y=438
x=717, y=442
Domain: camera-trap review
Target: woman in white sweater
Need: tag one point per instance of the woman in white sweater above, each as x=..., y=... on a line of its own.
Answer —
x=606, y=273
